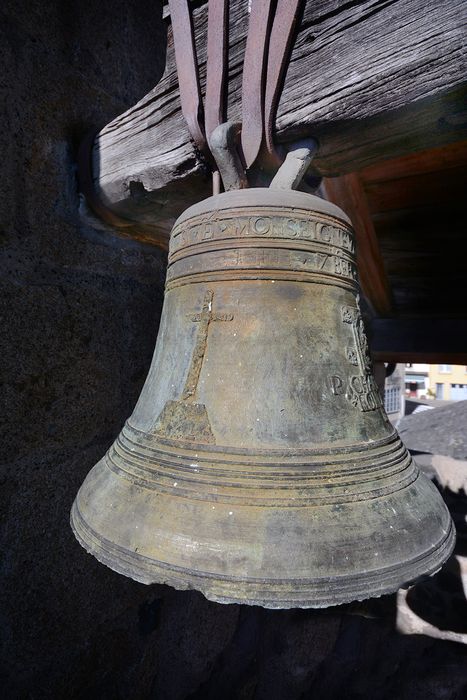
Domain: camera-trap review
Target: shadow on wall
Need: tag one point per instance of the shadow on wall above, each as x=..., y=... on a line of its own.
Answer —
x=80, y=320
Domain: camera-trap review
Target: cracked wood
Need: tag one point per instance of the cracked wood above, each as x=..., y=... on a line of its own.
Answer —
x=370, y=79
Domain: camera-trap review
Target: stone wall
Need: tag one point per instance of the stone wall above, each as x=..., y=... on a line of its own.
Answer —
x=80, y=312
x=79, y=316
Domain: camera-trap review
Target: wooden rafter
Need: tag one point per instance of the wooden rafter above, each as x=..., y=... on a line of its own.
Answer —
x=416, y=340
x=347, y=192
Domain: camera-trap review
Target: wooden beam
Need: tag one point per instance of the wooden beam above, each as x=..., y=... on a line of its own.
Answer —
x=433, y=160
x=347, y=192
x=370, y=79
x=418, y=340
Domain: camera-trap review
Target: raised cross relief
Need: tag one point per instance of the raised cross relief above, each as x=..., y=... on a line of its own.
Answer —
x=185, y=419
x=204, y=319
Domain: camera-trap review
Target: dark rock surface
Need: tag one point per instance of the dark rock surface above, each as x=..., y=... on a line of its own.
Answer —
x=80, y=312
x=79, y=319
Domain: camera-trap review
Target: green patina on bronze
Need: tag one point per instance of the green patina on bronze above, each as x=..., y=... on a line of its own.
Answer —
x=259, y=465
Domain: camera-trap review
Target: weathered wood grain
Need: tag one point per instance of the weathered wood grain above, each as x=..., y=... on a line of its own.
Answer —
x=370, y=79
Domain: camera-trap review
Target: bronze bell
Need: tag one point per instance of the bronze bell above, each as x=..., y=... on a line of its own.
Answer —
x=259, y=465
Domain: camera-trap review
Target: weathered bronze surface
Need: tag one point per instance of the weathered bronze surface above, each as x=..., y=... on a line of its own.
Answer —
x=259, y=465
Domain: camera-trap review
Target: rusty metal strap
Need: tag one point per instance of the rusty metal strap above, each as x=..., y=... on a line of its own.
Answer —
x=271, y=32
x=286, y=20
x=201, y=123
x=216, y=64
x=187, y=70
x=254, y=76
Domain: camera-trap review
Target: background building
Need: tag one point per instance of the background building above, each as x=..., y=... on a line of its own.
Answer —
x=394, y=399
x=448, y=382
x=417, y=380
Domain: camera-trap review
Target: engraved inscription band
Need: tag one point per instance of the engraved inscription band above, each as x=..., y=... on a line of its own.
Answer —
x=231, y=244
x=260, y=223
x=294, y=264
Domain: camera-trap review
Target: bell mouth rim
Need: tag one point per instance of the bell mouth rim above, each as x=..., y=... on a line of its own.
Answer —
x=318, y=592
x=267, y=197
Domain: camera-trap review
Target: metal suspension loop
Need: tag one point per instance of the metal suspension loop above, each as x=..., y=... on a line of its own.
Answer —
x=216, y=64
x=270, y=35
x=286, y=18
x=216, y=70
x=187, y=70
x=223, y=143
x=254, y=76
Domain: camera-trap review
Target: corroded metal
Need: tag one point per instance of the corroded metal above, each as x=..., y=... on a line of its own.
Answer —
x=187, y=71
x=294, y=167
x=216, y=64
x=286, y=20
x=271, y=33
x=223, y=142
x=259, y=465
x=253, y=81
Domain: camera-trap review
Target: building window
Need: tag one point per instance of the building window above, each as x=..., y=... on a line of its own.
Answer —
x=392, y=399
x=439, y=391
x=444, y=369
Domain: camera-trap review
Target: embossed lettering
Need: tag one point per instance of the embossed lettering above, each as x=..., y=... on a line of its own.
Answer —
x=326, y=233
x=363, y=393
x=337, y=384
x=262, y=225
x=243, y=227
x=322, y=257
x=274, y=227
x=293, y=227
x=343, y=267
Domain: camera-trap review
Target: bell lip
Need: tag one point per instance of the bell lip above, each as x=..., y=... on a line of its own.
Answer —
x=267, y=197
x=317, y=593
